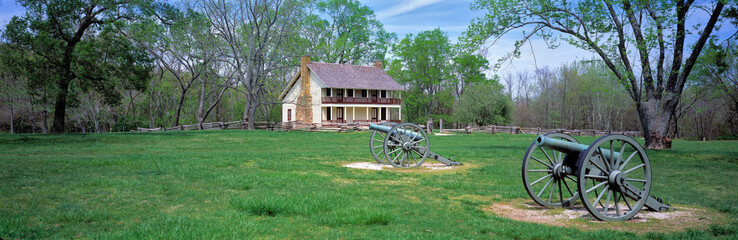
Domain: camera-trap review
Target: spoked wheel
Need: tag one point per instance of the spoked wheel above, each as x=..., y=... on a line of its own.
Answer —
x=406, y=145
x=615, y=178
x=547, y=180
x=376, y=144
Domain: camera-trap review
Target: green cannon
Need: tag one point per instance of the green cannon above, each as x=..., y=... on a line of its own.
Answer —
x=402, y=145
x=612, y=176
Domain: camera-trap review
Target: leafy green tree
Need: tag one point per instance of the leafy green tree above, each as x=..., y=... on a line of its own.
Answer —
x=34, y=72
x=608, y=28
x=185, y=47
x=422, y=64
x=484, y=103
x=11, y=86
x=345, y=31
x=82, y=42
x=468, y=68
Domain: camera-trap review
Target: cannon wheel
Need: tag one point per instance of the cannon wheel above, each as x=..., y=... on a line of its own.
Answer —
x=614, y=180
x=376, y=144
x=407, y=151
x=538, y=168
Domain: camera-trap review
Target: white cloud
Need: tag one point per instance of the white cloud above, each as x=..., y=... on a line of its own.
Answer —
x=404, y=7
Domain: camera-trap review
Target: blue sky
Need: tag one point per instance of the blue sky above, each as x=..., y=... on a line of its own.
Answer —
x=413, y=16
x=453, y=17
x=8, y=9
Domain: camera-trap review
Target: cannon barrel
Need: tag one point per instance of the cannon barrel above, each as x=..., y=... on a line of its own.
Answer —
x=385, y=129
x=568, y=147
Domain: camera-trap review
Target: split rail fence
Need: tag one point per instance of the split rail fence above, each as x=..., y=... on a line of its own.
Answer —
x=522, y=130
x=301, y=126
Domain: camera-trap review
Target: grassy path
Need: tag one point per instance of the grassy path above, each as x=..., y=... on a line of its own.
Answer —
x=260, y=184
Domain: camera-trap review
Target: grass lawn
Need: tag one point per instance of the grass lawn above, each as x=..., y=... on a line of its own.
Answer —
x=260, y=184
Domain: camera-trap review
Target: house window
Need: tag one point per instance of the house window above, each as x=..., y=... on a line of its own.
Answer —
x=289, y=115
x=339, y=92
x=363, y=92
x=374, y=93
x=327, y=92
x=327, y=113
x=349, y=92
x=384, y=94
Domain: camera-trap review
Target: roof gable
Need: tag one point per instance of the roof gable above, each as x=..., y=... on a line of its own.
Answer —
x=353, y=76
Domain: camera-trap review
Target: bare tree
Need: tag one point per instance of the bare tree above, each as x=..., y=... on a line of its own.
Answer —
x=252, y=31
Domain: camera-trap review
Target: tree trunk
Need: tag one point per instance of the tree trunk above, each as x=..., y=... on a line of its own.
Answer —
x=179, y=107
x=213, y=106
x=248, y=115
x=201, y=102
x=151, y=109
x=12, y=129
x=655, y=123
x=44, y=123
x=252, y=114
x=95, y=119
x=60, y=107
x=33, y=116
x=81, y=126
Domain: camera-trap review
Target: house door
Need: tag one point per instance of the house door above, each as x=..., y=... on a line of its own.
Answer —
x=374, y=113
x=384, y=113
x=339, y=115
x=328, y=113
x=289, y=115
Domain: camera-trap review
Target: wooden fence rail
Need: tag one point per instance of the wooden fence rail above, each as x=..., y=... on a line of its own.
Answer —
x=521, y=130
x=302, y=126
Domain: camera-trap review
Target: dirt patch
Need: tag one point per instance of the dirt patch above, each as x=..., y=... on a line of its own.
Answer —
x=429, y=166
x=678, y=220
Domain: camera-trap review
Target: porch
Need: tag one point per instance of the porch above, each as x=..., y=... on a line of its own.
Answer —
x=360, y=114
x=362, y=100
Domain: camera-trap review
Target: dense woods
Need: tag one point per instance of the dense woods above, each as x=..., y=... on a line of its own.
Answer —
x=99, y=66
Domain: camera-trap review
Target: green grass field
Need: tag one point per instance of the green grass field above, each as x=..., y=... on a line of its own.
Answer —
x=260, y=184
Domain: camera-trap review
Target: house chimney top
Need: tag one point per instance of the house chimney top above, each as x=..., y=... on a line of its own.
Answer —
x=378, y=64
x=304, y=59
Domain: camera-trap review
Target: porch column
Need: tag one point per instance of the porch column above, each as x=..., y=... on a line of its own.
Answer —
x=399, y=110
x=367, y=115
x=353, y=114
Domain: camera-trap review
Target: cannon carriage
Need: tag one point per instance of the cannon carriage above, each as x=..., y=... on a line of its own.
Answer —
x=403, y=145
x=611, y=176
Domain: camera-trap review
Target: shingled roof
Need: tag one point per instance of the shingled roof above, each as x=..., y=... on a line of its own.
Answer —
x=353, y=76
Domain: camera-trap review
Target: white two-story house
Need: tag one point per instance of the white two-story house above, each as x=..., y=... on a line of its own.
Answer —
x=329, y=93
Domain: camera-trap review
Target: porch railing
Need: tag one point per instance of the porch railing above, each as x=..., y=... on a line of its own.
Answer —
x=362, y=100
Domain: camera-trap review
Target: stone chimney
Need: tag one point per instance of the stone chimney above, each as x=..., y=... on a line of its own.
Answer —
x=378, y=64
x=304, y=108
